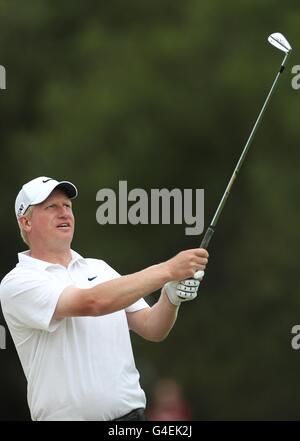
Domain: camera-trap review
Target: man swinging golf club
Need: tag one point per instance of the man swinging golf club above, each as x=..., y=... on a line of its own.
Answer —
x=70, y=316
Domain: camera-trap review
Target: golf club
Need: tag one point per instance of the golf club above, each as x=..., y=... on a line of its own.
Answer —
x=281, y=43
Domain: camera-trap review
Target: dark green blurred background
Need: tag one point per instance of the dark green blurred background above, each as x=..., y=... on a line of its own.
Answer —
x=164, y=94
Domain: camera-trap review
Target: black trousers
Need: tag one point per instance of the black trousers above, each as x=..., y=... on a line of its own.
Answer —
x=134, y=415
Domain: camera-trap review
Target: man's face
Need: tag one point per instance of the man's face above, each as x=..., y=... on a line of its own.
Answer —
x=52, y=221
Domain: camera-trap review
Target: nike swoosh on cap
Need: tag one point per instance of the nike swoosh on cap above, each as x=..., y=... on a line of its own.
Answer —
x=92, y=278
x=47, y=180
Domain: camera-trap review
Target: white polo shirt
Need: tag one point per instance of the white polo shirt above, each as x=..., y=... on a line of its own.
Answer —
x=77, y=368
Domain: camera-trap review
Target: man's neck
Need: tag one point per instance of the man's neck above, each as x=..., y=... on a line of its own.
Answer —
x=57, y=257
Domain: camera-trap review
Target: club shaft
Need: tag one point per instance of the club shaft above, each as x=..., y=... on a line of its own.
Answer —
x=210, y=231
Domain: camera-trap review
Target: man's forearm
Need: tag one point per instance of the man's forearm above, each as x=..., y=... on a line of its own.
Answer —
x=122, y=292
x=160, y=319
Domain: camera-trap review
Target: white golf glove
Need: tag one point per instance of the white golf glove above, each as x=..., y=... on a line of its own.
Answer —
x=184, y=290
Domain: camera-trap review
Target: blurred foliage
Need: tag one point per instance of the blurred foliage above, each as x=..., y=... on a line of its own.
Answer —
x=164, y=94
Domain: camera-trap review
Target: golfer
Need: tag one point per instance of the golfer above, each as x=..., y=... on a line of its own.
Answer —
x=70, y=316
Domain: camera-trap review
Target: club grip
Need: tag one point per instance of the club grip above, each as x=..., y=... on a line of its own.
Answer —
x=207, y=236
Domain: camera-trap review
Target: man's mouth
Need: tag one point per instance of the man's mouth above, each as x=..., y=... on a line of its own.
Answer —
x=63, y=225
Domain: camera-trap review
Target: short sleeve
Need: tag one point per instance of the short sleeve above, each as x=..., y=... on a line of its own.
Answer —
x=140, y=304
x=30, y=298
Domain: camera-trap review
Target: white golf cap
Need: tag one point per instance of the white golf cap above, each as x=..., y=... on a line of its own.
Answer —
x=37, y=190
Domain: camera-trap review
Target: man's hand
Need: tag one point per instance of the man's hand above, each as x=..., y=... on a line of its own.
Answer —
x=188, y=264
x=183, y=291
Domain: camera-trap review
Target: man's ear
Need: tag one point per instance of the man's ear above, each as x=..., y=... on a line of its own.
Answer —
x=25, y=223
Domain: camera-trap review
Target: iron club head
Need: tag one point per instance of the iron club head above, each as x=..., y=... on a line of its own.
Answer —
x=279, y=41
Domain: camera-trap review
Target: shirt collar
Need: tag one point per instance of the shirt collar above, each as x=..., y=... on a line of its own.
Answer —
x=27, y=260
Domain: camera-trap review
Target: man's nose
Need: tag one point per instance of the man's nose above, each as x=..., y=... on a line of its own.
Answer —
x=63, y=211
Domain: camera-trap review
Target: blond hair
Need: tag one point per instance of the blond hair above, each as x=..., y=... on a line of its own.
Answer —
x=27, y=214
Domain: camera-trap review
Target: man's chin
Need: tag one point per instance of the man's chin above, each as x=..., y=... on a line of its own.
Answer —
x=64, y=237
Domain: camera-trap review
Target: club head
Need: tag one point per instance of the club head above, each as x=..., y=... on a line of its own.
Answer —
x=279, y=41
